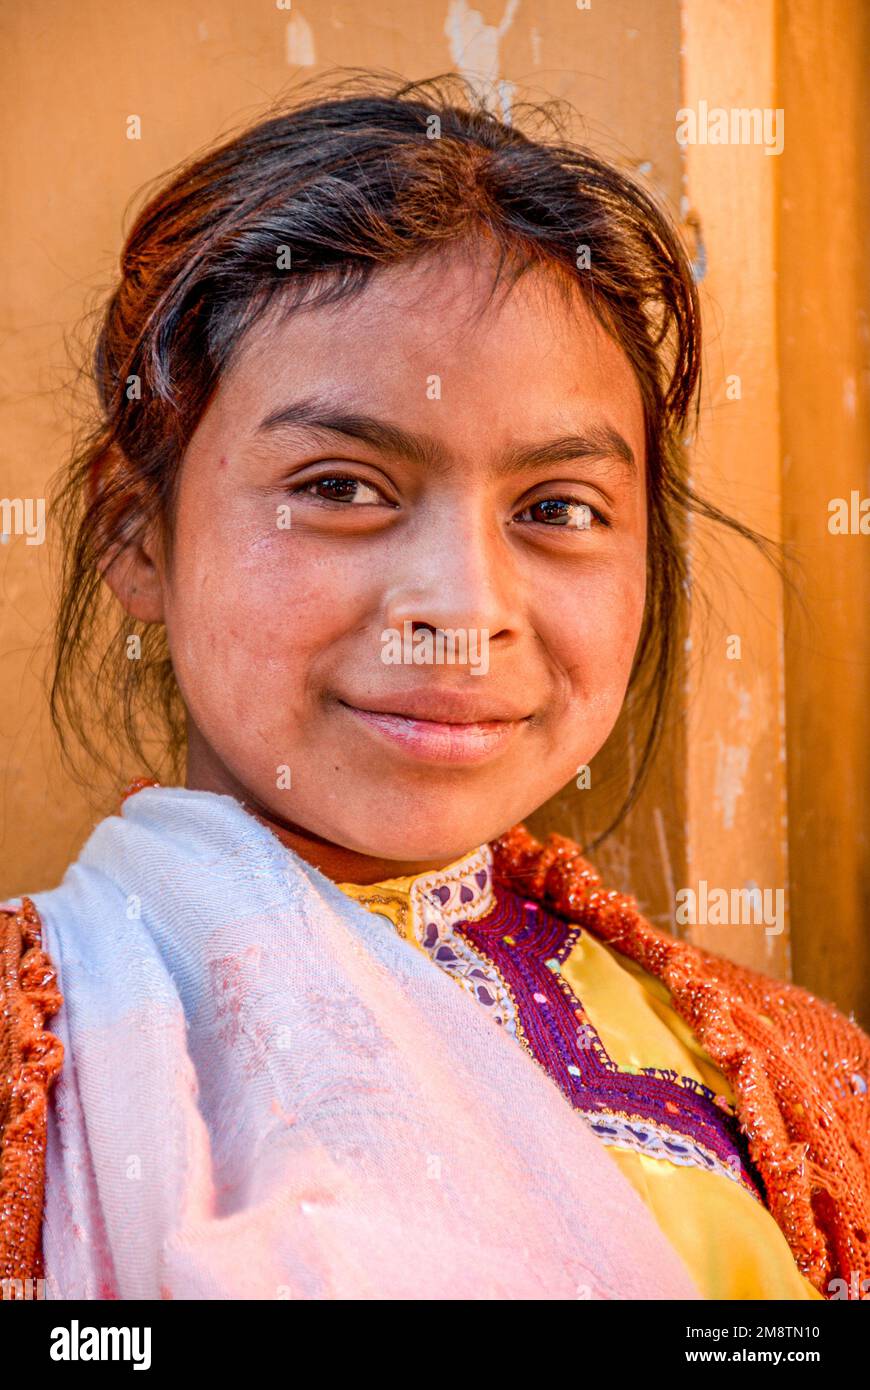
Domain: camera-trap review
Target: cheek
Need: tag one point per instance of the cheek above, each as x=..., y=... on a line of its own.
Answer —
x=592, y=632
x=592, y=639
x=246, y=616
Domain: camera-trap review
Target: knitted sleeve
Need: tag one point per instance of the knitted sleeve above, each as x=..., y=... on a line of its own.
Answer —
x=30, y=1059
x=815, y=1108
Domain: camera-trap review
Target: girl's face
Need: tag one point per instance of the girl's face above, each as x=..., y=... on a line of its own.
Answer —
x=376, y=474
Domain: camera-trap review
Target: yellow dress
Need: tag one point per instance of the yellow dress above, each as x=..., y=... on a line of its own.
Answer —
x=726, y=1236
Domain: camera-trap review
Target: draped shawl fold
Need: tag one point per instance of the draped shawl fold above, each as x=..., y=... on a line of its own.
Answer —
x=267, y=1093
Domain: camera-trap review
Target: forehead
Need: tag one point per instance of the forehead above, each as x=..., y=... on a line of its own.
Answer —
x=429, y=341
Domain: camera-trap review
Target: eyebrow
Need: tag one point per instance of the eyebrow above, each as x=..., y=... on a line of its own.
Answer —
x=599, y=441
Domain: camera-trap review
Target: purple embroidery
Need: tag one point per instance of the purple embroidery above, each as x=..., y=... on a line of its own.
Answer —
x=553, y=1025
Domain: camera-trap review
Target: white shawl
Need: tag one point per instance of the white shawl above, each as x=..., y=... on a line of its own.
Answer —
x=267, y=1093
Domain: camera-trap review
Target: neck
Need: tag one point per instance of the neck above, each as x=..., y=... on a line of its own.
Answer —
x=337, y=862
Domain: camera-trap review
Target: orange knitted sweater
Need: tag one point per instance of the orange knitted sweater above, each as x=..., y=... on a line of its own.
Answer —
x=798, y=1068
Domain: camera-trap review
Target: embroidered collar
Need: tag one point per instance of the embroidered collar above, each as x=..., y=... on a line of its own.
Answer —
x=425, y=907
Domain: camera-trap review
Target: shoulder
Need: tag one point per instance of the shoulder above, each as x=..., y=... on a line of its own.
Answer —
x=556, y=874
x=28, y=979
x=798, y=1067
x=30, y=1059
x=834, y=1045
x=777, y=1018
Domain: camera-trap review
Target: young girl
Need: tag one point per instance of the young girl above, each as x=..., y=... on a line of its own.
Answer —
x=388, y=486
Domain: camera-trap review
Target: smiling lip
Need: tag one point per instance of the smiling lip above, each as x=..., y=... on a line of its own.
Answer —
x=459, y=738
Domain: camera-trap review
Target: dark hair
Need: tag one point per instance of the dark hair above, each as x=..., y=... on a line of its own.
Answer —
x=375, y=172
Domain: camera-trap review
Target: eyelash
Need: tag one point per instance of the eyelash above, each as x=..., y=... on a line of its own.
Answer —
x=309, y=487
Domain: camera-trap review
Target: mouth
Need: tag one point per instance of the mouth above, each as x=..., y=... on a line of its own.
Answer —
x=455, y=736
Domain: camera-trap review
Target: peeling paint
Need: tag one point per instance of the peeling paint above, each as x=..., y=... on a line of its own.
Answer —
x=474, y=48
x=300, y=43
x=732, y=758
x=665, y=857
x=732, y=763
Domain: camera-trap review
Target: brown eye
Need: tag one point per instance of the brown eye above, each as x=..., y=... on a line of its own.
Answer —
x=340, y=488
x=563, y=511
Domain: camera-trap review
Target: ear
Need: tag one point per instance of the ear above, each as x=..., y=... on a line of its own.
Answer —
x=135, y=576
x=133, y=569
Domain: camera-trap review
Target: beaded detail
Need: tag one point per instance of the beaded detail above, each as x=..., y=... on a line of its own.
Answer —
x=137, y=785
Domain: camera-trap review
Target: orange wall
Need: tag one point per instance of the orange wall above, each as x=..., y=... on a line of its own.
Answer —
x=824, y=343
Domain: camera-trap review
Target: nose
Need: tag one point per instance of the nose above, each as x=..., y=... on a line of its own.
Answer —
x=456, y=573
